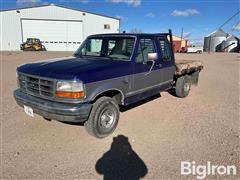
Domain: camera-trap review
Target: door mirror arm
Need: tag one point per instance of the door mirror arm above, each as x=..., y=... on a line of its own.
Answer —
x=152, y=57
x=150, y=70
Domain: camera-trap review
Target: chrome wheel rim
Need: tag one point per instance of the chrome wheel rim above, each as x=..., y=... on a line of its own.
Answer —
x=107, y=118
x=186, y=87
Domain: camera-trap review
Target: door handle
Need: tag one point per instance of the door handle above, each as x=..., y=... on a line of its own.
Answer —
x=125, y=81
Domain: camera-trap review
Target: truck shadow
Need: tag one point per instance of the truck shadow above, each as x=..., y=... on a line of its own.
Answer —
x=139, y=103
x=121, y=161
x=172, y=92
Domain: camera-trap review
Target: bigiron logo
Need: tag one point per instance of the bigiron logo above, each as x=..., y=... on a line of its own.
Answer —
x=202, y=171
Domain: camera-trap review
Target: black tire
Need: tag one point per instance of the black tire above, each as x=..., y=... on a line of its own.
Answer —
x=96, y=125
x=183, y=86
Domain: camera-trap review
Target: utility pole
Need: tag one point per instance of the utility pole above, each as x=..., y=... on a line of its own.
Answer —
x=181, y=40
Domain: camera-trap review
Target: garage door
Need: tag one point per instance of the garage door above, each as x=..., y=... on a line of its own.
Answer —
x=54, y=34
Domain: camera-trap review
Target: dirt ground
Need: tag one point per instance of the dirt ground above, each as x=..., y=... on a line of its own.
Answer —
x=154, y=136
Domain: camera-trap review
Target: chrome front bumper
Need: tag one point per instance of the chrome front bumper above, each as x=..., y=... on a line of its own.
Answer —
x=65, y=112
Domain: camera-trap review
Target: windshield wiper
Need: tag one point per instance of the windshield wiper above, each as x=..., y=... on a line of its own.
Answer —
x=77, y=55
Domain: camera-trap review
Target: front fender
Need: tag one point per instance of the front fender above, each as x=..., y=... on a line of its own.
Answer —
x=122, y=84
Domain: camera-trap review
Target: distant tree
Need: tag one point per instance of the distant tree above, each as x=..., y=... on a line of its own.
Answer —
x=136, y=30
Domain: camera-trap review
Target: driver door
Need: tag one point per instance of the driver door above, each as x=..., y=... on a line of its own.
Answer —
x=144, y=79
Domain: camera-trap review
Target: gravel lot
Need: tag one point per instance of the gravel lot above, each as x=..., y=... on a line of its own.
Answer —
x=161, y=133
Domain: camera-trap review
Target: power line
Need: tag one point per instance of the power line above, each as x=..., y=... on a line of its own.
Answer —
x=229, y=19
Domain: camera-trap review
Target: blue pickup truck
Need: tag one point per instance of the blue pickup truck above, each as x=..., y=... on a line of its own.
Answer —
x=106, y=72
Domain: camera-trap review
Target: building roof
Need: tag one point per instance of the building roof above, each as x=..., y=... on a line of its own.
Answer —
x=178, y=38
x=74, y=9
x=218, y=33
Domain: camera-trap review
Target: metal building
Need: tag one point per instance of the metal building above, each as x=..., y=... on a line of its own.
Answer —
x=212, y=42
x=180, y=44
x=59, y=28
x=231, y=44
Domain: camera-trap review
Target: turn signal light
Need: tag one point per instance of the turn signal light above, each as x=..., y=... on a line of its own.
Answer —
x=70, y=94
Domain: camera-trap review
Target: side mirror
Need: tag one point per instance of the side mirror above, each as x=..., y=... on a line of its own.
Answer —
x=152, y=56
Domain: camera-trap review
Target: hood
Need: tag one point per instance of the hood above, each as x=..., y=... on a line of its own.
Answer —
x=73, y=68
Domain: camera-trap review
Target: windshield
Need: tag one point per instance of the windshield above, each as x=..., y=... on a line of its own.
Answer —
x=114, y=48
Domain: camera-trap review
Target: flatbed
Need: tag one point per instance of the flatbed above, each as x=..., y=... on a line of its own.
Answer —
x=187, y=66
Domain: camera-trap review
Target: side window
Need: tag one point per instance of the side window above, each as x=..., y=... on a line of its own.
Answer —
x=106, y=26
x=165, y=49
x=121, y=48
x=145, y=46
x=29, y=40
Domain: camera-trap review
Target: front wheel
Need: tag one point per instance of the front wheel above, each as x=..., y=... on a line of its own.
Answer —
x=103, y=118
x=183, y=86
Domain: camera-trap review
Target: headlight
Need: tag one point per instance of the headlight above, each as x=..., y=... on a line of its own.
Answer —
x=70, y=89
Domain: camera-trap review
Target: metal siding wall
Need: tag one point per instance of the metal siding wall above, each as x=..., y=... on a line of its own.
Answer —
x=176, y=45
x=1, y=31
x=11, y=31
x=11, y=26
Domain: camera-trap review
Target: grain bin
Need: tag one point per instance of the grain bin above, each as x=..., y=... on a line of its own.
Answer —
x=212, y=42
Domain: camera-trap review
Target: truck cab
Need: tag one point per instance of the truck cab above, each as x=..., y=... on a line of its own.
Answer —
x=106, y=72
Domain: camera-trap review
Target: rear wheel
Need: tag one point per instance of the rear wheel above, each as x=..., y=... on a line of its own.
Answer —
x=183, y=86
x=103, y=118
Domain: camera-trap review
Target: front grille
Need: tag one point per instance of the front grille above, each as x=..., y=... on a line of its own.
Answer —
x=36, y=85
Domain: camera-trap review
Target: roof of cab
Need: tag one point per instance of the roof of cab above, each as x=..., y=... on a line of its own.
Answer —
x=131, y=34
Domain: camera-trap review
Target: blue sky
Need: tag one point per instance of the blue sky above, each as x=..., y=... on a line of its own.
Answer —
x=196, y=17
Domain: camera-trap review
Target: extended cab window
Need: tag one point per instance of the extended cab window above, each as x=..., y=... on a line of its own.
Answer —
x=165, y=49
x=145, y=46
x=113, y=48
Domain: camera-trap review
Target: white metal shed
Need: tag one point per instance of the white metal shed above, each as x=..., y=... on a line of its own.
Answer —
x=59, y=28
